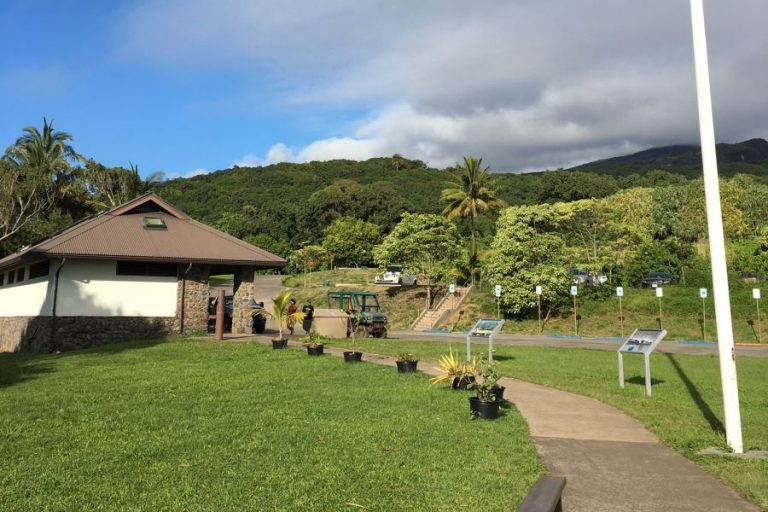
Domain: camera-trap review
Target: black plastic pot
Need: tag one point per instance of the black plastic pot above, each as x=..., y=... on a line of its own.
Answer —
x=317, y=350
x=482, y=409
x=462, y=383
x=406, y=366
x=352, y=357
x=276, y=344
x=498, y=393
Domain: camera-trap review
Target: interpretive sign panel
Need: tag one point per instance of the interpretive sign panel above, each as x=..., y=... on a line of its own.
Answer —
x=484, y=328
x=642, y=341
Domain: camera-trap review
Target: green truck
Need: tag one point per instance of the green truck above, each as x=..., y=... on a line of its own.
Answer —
x=366, y=317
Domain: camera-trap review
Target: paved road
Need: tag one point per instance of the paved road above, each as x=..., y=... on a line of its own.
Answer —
x=591, y=343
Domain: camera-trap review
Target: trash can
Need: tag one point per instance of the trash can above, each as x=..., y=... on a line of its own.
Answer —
x=331, y=323
x=259, y=322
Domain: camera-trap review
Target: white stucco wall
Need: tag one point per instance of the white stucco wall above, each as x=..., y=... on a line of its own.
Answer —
x=91, y=288
x=27, y=298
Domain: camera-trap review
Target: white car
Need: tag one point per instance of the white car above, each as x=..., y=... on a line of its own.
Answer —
x=394, y=275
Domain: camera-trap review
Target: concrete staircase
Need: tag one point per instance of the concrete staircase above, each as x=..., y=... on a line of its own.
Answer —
x=431, y=318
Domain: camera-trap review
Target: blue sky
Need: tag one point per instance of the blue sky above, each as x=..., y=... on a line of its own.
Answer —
x=193, y=86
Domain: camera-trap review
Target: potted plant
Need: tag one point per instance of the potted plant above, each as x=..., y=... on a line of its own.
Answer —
x=280, y=308
x=314, y=343
x=486, y=402
x=353, y=356
x=457, y=373
x=406, y=362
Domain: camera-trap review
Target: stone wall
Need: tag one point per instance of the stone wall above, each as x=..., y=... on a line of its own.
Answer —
x=192, y=299
x=51, y=334
x=243, y=296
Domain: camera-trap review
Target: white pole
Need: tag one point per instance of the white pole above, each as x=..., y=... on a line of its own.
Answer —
x=716, y=239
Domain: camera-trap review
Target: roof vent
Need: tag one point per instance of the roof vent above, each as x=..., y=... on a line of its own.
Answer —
x=153, y=223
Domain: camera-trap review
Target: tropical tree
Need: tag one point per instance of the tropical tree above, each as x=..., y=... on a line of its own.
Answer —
x=425, y=243
x=351, y=240
x=47, y=153
x=112, y=186
x=530, y=250
x=25, y=194
x=469, y=195
x=280, y=312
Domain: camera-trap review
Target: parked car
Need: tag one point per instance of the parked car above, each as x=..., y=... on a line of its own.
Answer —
x=394, y=275
x=228, y=309
x=655, y=279
x=751, y=277
x=582, y=276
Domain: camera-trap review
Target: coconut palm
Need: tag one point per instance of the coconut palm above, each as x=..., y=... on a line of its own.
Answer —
x=469, y=195
x=49, y=153
x=280, y=313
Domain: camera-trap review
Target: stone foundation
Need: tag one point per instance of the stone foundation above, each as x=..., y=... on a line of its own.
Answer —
x=51, y=334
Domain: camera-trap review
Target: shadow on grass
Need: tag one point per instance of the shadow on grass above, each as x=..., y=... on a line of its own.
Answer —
x=500, y=357
x=16, y=372
x=16, y=368
x=638, y=379
x=706, y=411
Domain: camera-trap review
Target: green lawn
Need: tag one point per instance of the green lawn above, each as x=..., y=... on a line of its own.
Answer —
x=198, y=426
x=682, y=313
x=685, y=411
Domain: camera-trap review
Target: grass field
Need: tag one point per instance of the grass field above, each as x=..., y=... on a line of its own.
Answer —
x=682, y=311
x=197, y=426
x=685, y=411
x=682, y=314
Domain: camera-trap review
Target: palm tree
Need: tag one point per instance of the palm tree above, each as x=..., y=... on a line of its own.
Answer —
x=280, y=307
x=49, y=153
x=468, y=196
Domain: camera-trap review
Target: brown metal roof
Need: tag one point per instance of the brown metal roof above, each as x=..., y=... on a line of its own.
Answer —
x=120, y=233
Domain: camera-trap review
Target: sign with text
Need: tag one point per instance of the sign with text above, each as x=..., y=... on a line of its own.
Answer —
x=574, y=290
x=755, y=293
x=619, y=291
x=703, y=293
x=659, y=292
x=498, y=290
x=451, y=288
x=538, y=290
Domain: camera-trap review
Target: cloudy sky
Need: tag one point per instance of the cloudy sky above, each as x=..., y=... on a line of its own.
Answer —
x=192, y=86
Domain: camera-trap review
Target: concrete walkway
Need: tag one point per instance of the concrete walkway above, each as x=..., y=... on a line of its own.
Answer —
x=611, y=462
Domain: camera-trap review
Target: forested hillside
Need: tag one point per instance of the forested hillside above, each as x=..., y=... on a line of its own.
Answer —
x=286, y=206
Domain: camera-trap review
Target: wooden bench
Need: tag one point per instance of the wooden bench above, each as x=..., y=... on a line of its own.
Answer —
x=544, y=496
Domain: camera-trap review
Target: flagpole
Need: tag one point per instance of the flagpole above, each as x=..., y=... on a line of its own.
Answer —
x=716, y=239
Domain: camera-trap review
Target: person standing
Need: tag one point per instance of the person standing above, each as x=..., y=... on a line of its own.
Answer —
x=309, y=313
x=292, y=308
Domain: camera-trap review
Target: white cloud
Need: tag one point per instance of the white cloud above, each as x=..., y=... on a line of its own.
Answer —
x=525, y=84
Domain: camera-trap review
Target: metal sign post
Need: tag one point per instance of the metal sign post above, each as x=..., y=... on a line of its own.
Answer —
x=703, y=295
x=497, y=290
x=756, y=296
x=642, y=341
x=574, y=292
x=620, y=294
x=660, y=294
x=485, y=328
x=452, y=291
x=538, y=300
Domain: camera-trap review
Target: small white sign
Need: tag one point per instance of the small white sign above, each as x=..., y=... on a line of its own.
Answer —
x=659, y=292
x=619, y=291
x=538, y=289
x=498, y=290
x=574, y=290
x=703, y=293
x=755, y=293
x=452, y=288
